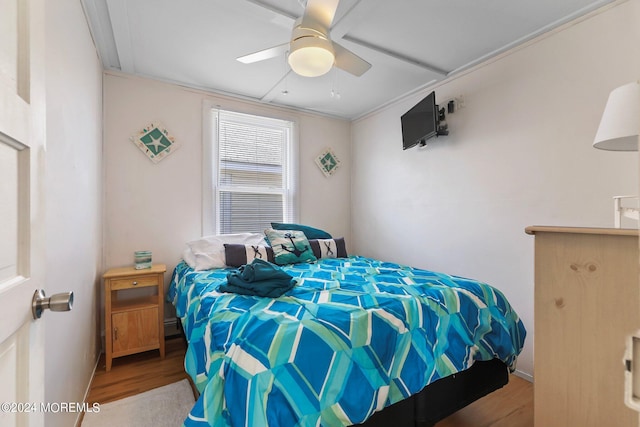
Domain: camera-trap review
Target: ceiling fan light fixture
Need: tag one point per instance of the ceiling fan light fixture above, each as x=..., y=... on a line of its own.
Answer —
x=311, y=56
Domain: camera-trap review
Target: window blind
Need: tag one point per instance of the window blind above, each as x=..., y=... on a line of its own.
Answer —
x=254, y=172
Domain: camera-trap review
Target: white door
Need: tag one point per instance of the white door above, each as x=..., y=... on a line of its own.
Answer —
x=21, y=211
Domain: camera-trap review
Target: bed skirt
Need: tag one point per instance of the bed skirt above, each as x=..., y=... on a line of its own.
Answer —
x=443, y=397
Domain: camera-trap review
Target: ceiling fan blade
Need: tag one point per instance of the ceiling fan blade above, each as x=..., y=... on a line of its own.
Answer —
x=261, y=55
x=349, y=61
x=319, y=12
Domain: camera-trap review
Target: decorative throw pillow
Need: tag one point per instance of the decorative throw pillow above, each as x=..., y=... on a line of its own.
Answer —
x=309, y=232
x=237, y=255
x=329, y=248
x=289, y=246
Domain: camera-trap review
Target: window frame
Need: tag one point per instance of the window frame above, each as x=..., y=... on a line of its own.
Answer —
x=210, y=162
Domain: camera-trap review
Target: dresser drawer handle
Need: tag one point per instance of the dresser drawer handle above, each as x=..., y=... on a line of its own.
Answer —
x=134, y=283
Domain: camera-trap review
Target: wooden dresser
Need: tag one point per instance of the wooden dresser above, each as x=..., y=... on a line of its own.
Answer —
x=587, y=301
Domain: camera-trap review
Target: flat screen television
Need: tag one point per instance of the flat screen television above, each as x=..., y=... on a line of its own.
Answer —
x=420, y=122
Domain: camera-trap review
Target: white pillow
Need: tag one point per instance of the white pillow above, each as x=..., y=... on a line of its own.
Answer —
x=208, y=252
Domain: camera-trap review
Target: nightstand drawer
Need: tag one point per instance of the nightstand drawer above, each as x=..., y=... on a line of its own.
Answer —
x=134, y=282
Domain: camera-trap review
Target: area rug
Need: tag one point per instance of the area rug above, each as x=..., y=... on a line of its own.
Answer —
x=165, y=406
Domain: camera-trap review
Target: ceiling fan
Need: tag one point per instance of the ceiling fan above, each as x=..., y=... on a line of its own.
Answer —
x=311, y=52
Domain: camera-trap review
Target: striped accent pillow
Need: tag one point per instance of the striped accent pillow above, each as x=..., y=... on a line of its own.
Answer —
x=237, y=255
x=329, y=248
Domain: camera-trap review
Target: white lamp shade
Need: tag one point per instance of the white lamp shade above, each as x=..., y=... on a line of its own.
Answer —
x=311, y=56
x=620, y=124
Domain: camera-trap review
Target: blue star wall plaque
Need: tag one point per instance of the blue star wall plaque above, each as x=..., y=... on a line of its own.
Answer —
x=155, y=141
x=328, y=162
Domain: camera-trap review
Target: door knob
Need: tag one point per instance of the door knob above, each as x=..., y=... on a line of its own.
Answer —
x=57, y=302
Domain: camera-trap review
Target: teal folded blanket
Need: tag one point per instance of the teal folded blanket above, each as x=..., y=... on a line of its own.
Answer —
x=259, y=278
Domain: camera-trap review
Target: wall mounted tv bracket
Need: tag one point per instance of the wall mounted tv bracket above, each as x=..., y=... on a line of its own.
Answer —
x=443, y=127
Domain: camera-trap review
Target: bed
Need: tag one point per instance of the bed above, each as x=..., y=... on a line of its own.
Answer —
x=356, y=340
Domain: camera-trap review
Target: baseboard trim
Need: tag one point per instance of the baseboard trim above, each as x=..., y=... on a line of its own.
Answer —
x=80, y=417
x=523, y=375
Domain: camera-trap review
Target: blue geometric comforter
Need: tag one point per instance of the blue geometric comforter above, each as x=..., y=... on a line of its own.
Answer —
x=353, y=336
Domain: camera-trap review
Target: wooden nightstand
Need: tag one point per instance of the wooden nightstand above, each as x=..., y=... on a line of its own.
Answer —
x=133, y=325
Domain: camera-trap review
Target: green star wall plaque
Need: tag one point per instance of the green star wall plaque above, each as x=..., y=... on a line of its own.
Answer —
x=328, y=162
x=155, y=141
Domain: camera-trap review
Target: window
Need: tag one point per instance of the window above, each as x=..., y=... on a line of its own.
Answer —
x=252, y=172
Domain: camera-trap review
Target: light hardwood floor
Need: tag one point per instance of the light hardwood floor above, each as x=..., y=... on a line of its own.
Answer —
x=138, y=373
x=511, y=406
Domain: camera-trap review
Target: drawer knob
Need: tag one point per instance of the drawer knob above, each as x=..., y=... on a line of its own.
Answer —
x=134, y=283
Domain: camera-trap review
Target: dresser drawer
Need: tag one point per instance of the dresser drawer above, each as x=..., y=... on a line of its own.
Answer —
x=134, y=282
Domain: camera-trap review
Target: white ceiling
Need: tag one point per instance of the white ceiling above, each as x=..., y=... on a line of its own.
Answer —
x=411, y=44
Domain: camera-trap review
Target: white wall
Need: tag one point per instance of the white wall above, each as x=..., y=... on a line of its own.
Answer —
x=158, y=207
x=73, y=205
x=519, y=153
